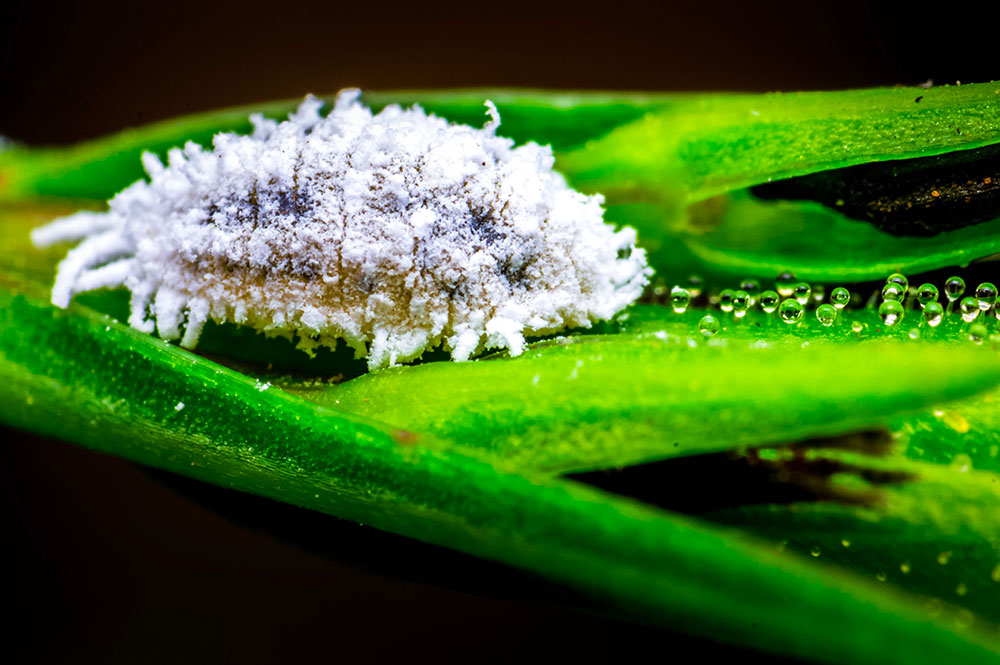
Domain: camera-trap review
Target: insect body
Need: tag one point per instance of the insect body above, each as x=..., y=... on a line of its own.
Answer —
x=395, y=232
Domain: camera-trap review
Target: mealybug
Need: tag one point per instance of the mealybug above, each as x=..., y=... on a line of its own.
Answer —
x=396, y=232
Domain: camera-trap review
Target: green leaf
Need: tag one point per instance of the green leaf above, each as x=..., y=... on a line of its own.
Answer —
x=818, y=244
x=605, y=401
x=714, y=144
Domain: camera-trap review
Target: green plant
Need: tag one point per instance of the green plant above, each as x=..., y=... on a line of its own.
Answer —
x=476, y=456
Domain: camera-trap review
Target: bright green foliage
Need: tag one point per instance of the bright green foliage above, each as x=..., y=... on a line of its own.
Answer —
x=713, y=144
x=607, y=401
x=467, y=455
x=818, y=244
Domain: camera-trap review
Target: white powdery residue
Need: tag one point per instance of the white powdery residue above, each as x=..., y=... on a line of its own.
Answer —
x=396, y=232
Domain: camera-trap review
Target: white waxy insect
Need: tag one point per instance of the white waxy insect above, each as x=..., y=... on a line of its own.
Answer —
x=396, y=232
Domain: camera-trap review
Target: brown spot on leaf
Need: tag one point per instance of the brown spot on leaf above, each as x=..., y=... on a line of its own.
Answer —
x=405, y=437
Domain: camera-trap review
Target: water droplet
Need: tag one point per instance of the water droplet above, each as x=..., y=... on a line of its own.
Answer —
x=752, y=287
x=846, y=543
x=741, y=303
x=726, y=300
x=986, y=294
x=892, y=291
x=926, y=293
x=695, y=285
x=944, y=557
x=995, y=341
x=839, y=297
x=815, y=551
x=933, y=313
x=914, y=333
x=790, y=310
x=954, y=287
x=857, y=326
x=680, y=298
x=769, y=301
x=881, y=576
x=784, y=284
x=891, y=312
x=802, y=292
x=826, y=314
x=995, y=573
x=977, y=333
x=818, y=294
x=905, y=567
x=961, y=589
x=709, y=325
x=969, y=307
x=899, y=280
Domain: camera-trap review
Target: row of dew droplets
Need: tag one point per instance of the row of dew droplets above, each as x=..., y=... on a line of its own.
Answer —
x=791, y=298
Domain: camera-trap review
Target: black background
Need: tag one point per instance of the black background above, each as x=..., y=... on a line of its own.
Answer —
x=106, y=562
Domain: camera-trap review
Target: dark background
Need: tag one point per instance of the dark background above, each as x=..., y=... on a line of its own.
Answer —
x=106, y=562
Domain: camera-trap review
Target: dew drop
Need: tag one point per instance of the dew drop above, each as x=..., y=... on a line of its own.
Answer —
x=695, y=285
x=995, y=573
x=905, y=567
x=933, y=313
x=785, y=283
x=995, y=341
x=726, y=300
x=961, y=589
x=899, y=280
x=741, y=303
x=815, y=551
x=969, y=307
x=802, y=292
x=826, y=314
x=857, y=326
x=840, y=297
x=977, y=333
x=709, y=325
x=846, y=543
x=926, y=293
x=891, y=312
x=752, y=287
x=881, y=576
x=986, y=294
x=769, y=301
x=790, y=310
x=818, y=293
x=954, y=287
x=944, y=557
x=680, y=298
x=892, y=291
x=914, y=333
